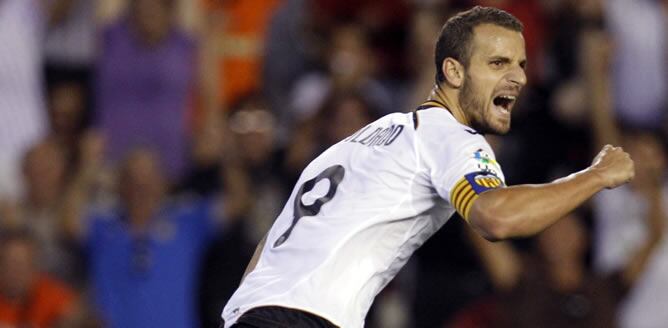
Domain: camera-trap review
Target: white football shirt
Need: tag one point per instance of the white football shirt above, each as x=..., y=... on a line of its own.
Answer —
x=360, y=210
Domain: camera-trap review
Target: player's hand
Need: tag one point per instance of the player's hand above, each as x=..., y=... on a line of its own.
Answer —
x=614, y=166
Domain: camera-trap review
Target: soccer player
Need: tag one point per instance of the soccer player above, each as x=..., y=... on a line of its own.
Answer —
x=367, y=203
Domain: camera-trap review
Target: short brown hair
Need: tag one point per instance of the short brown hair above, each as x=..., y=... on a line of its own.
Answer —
x=457, y=34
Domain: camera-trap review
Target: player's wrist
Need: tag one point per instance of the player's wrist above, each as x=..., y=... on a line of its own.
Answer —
x=597, y=176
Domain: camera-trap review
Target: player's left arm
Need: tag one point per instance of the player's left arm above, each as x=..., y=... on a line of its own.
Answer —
x=255, y=258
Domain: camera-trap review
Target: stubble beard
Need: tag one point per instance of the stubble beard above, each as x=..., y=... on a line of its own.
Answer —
x=474, y=106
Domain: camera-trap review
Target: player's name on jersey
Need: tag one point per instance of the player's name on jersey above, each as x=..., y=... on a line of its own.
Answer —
x=376, y=136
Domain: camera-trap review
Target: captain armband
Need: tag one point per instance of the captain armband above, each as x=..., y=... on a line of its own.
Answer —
x=467, y=190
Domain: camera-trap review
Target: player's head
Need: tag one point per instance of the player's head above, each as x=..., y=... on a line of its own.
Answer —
x=481, y=54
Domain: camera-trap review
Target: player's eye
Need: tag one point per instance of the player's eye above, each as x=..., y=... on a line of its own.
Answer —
x=497, y=63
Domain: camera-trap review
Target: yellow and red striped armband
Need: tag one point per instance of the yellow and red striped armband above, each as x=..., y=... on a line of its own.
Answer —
x=467, y=189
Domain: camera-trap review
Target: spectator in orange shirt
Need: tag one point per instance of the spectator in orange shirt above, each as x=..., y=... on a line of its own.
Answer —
x=27, y=297
x=234, y=39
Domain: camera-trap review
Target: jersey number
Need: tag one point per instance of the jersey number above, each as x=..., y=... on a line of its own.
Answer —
x=335, y=175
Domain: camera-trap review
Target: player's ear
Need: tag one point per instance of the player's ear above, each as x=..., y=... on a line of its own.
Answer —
x=453, y=71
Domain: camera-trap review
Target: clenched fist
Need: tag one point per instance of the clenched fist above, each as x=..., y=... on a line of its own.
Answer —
x=614, y=166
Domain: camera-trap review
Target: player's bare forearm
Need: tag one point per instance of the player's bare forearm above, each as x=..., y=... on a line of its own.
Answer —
x=525, y=210
x=255, y=258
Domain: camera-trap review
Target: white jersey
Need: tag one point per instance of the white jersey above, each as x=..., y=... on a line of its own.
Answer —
x=360, y=210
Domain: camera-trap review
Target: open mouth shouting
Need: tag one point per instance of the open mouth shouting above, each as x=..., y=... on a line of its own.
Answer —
x=504, y=103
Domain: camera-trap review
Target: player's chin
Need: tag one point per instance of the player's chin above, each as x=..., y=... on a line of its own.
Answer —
x=497, y=120
x=503, y=128
x=498, y=126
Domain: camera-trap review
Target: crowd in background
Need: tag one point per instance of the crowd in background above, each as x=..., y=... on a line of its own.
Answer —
x=146, y=146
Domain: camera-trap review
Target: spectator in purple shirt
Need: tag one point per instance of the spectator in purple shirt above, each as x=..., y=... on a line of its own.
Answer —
x=144, y=76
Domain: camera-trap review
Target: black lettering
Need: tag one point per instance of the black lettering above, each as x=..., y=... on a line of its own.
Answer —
x=378, y=137
x=386, y=135
x=372, y=134
x=357, y=134
x=395, y=134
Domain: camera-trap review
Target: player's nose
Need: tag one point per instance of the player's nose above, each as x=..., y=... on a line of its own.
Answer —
x=517, y=76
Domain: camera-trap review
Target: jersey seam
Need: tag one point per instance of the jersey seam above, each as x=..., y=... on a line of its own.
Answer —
x=416, y=123
x=410, y=200
x=452, y=168
x=407, y=199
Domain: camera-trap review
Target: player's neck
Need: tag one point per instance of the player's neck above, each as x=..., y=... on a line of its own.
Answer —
x=450, y=100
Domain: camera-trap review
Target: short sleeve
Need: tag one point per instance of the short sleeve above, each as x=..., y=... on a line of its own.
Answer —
x=462, y=166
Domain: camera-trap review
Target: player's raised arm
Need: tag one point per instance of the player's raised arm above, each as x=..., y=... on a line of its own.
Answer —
x=524, y=210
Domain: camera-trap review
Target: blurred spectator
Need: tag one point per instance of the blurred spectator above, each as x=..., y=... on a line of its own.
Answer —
x=39, y=211
x=235, y=33
x=144, y=78
x=640, y=71
x=45, y=175
x=246, y=162
x=144, y=253
x=426, y=24
x=384, y=23
x=22, y=118
x=205, y=170
x=253, y=128
x=350, y=67
x=341, y=114
x=551, y=285
x=630, y=220
x=70, y=38
x=631, y=229
x=292, y=48
x=253, y=175
x=391, y=309
x=447, y=276
x=69, y=108
x=29, y=298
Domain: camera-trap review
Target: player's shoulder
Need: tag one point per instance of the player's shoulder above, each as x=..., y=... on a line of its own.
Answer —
x=397, y=117
x=438, y=125
x=381, y=132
